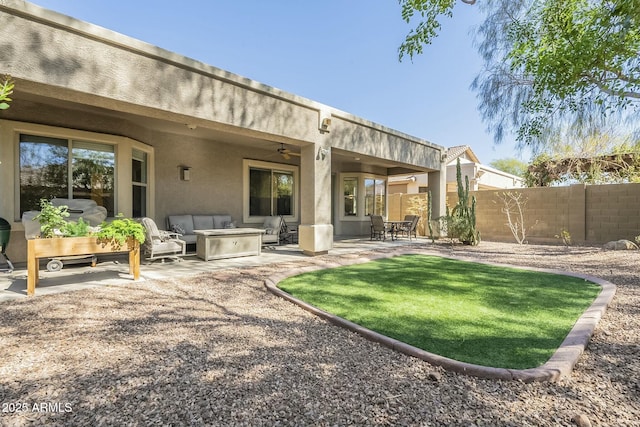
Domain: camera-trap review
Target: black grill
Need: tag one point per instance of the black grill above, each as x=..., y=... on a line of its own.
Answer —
x=5, y=234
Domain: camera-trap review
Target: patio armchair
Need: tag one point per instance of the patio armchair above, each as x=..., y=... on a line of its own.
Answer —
x=272, y=226
x=411, y=229
x=378, y=228
x=288, y=234
x=161, y=244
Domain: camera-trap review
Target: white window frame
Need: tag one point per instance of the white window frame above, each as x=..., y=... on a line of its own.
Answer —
x=361, y=195
x=144, y=184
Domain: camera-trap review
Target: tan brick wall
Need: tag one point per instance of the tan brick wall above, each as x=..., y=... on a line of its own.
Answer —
x=400, y=205
x=591, y=214
x=614, y=212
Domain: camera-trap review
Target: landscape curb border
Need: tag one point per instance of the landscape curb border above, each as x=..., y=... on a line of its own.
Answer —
x=560, y=364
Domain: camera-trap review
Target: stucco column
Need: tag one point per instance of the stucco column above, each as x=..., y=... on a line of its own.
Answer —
x=315, y=234
x=438, y=187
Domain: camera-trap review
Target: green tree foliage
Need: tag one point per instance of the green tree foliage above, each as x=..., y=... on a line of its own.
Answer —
x=569, y=65
x=429, y=12
x=510, y=165
x=6, y=89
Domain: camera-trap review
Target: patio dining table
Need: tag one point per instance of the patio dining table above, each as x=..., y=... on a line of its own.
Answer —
x=397, y=226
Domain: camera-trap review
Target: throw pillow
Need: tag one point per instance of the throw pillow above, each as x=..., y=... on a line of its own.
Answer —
x=177, y=228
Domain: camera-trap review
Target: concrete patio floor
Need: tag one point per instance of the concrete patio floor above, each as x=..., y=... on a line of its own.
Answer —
x=114, y=269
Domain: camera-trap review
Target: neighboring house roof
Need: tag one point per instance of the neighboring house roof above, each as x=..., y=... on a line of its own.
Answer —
x=483, y=177
x=454, y=152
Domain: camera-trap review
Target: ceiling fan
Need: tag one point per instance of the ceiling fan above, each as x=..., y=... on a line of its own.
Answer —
x=286, y=153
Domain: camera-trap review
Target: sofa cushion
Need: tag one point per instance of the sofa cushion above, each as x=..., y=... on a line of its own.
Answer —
x=184, y=221
x=189, y=238
x=203, y=222
x=221, y=221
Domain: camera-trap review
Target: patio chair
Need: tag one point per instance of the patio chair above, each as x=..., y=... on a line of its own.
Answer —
x=412, y=228
x=287, y=234
x=272, y=226
x=378, y=228
x=161, y=244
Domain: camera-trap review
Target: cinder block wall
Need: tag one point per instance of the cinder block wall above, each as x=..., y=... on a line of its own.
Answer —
x=613, y=212
x=592, y=214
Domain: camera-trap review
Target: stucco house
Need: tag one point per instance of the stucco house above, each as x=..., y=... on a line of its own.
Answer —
x=148, y=132
x=481, y=177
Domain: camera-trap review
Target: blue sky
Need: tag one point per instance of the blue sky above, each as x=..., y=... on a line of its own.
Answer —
x=342, y=53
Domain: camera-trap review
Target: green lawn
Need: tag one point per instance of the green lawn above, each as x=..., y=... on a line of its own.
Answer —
x=486, y=315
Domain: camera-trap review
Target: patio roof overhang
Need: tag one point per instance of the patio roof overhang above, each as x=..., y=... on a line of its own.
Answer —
x=34, y=102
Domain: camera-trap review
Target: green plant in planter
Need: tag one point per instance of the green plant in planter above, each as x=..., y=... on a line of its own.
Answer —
x=118, y=231
x=77, y=229
x=52, y=219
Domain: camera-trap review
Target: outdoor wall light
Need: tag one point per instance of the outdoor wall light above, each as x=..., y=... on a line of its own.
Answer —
x=185, y=173
x=325, y=124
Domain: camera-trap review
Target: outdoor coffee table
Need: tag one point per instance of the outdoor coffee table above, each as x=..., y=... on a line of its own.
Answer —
x=222, y=243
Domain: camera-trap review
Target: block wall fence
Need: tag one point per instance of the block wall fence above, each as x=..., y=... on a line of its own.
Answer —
x=592, y=214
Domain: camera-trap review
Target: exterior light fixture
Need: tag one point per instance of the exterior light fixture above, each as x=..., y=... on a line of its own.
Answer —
x=185, y=173
x=325, y=124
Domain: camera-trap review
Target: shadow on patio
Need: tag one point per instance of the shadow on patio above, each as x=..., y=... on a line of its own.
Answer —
x=114, y=269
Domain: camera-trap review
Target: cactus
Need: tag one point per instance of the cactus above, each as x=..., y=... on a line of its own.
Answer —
x=429, y=213
x=462, y=220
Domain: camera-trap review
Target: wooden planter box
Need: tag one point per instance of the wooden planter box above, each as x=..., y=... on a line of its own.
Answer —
x=69, y=246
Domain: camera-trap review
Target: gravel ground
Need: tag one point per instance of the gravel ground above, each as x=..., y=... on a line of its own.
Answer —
x=218, y=349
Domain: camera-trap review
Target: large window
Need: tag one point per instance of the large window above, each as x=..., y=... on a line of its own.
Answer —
x=53, y=167
x=269, y=189
x=270, y=192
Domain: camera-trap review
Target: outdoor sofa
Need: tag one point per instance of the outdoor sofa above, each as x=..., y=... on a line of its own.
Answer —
x=186, y=224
